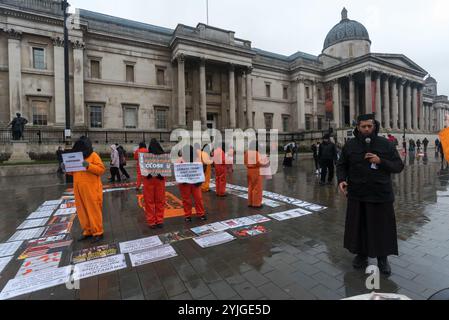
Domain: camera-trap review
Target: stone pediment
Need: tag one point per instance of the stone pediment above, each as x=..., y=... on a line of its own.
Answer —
x=399, y=60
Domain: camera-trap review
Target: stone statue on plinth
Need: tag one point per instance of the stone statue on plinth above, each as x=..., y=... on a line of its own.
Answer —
x=18, y=126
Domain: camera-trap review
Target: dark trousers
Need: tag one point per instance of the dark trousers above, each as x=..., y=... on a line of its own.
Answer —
x=317, y=163
x=123, y=171
x=327, y=165
x=115, y=173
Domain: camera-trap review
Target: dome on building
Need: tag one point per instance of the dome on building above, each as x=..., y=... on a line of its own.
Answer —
x=429, y=80
x=346, y=30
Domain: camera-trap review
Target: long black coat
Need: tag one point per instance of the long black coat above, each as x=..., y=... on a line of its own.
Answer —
x=364, y=183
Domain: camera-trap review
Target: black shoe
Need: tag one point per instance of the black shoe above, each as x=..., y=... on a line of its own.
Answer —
x=384, y=265
x=188, y=219
x=84, y=238
x=96, y=239
x=160, y=225
x=360, y=262
x=203, y=218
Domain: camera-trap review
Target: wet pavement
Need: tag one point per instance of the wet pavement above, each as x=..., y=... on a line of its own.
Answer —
x=301, y=258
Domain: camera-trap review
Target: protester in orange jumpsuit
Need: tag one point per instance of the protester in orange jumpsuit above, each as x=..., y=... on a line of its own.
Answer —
x=220, y=170
x=253, y=162
x=189, y=155
x=444, y=138
x=154, y=193
x=88, y=191
x=142, y=149
x=207, y=163
x=230, y=161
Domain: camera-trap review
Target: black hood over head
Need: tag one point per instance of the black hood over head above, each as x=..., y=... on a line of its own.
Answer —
x=155, y=147
x=83, y=145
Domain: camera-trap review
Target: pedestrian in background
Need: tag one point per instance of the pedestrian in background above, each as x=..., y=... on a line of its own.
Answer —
x=327, y=155
x=115, y=164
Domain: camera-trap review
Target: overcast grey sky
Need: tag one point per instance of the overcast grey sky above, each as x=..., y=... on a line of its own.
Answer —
x=418, y=29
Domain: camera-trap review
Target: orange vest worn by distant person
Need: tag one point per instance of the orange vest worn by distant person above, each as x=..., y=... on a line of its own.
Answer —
x=444, y=140
x=255, y=181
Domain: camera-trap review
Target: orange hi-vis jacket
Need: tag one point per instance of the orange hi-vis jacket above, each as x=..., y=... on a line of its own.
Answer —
x=444, y=140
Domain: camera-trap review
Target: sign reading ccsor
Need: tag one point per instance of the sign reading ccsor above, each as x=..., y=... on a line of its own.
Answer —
x=155, y=164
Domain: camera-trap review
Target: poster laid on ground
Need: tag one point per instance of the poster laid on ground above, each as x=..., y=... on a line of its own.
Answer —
x=4, y=262
x=38, y=281
x=47, y=208
x=232, y=223
x=34, y=223
x=73, y=161
x=56, y=229
x=245, y=221
x=250, y=231
x=27, y=234
x=100, y=266
x=36, y=264
x=140, y=244
x=68, y=204
x=9, y=248
x=62, y=219
x=175, y=236
x=189, y=172
x=53, y=202
x=155, y=164
x=201, y=230
x=94, y=253
x=40, y=214
x=258, y=218
x=290, y=214
x=213, y=239
x=152, y=255
x=47, y=245
x=315, y=207
x=63, y=212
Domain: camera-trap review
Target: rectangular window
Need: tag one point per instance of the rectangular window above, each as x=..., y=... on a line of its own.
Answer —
x=285, y=93
x=130, y=117
x=96, y=116
x=161, y=119
x=38, y=58
x=268, y=121
x=209, y=83
x=267, y=90
x=307, y=92
x=320, y=123
x=95, y=69
x=308, y=123
x=129, y=73
x=285, y=123
x=160, y=75
x=40, y=113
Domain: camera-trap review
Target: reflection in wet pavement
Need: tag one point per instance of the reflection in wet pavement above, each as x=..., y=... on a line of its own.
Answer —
x=299, y=259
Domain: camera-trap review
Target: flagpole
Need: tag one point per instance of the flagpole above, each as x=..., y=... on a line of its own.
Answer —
x=207, y=11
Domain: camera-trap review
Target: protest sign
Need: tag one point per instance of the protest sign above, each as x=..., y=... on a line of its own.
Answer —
x=100, y=266
x=73, y=161
x=152, y=255
x=44, y=246
x=250, y=231
x=28, y=224
x=155, y=164
x=27, y=234
x=175, y=236
x=9, y=248
x=40, y=214
x=213, y=239
x=63, y=212
x=94, y=253
x=191, y=173
x=4, y=262
x=35, y=264
x=140, y=244
x=55, y=229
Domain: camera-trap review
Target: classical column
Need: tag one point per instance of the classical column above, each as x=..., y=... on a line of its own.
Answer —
x=421, y=109
x=394, y=104
x=408, y=106
x=300, y=105
x=378, y=99
x=15, y=72
x=386, y=103
x=240, y=102
x=315, y=105
x=58, y=52
x=415, y=108
x=181, y=92
x=78, y=84
x=249, y=99
x=368, y=93
x=232, y=97
x=351, y=99
x=203, y=97
x=336, y=100
x=401, y=104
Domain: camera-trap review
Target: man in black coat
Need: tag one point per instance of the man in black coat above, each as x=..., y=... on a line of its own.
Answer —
x=364, y=176
x=327, y=155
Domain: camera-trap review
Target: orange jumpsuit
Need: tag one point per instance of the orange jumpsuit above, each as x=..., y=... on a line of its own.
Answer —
x=220, y=171
x=444, y=140
x=88, y=191
x=188, y=190
x=136, y=157
x=255, y=180
x=205, y=159
x=154, y=197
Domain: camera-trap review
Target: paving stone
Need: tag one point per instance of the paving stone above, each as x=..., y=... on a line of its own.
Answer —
x=222, y=290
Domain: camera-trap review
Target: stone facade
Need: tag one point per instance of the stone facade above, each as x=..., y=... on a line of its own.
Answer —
x=126, y=75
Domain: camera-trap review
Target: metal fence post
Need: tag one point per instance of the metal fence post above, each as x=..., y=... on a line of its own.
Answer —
x=106, y=136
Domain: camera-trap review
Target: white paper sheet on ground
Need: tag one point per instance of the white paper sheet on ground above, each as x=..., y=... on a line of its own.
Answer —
x=9, y=248
x=27, y=234
x=40, y=214
x=47, y=208
x=140, y=244
x=33, y=265
x=100, y=266
x=52, y=202
x=232, y=223
x=244, y=221
x=4, y=262
x=315, y=207
x=290, y=214
x=258, y=218
x=34, y=223
x=218, y=227
x=41, y=280
x=64, y=212
x=213, y=239
x=201, y=230
x=152, y=255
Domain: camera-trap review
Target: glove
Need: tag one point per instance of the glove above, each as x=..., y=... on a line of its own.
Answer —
x=160, y=177
x=85, y=164
x=149, y=176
